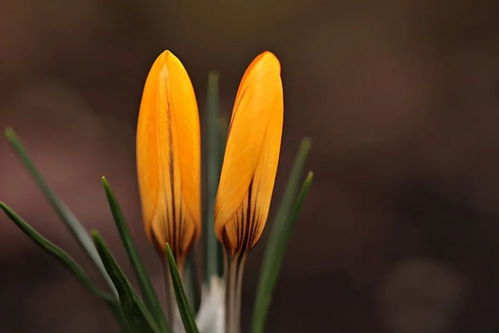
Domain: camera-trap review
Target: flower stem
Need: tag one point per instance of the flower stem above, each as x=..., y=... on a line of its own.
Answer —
x=234, y=268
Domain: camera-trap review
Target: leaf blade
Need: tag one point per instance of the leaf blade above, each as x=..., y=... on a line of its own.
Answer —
x=147, y=289
x=213, y=166
x=279, y=237
x=292, y=187
x=182, y=301
x=55, y=251
x=135, y=312
x=64, y=213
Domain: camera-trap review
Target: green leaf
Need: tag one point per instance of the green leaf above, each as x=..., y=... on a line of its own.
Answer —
x=280, y=234
x=115, y=307
x=69, y=263
x=66, y=215
x=212, y=173
x=146, y=287
x=273, y=258
x=223, y=127
x=292, y=187
x=55, y=251
x=134, y=311
x=182, y=301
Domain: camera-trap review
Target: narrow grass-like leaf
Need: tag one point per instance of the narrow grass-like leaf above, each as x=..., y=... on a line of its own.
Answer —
x=134, y=310
x=292, y=187
x=115, y=307
x=274, y=255
x=146, y=287
x=222, y=127
x=182, y=301
x=55, y=251
x=68, y=262
x=65, y=214
x=212, y=173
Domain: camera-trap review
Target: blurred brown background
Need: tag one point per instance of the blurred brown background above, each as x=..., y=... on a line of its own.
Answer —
x=401, y=230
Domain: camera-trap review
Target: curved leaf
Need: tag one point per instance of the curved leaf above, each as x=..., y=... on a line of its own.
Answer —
x=134, y=311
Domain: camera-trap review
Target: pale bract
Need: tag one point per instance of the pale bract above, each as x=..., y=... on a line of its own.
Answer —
x=211, y=315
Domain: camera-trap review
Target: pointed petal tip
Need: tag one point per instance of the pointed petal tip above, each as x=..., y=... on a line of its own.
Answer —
x=162, y=56
x=268, y=54
x=166, y=56
x=165, y=53
x=268, y=58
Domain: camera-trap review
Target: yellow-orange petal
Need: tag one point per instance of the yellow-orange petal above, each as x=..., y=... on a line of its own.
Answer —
x=251, y=156
x=169, y=156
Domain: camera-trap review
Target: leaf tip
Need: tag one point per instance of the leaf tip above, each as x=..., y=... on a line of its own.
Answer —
x=104, y=181
x=310, y=176
x=6, y=209
x=213, y=75
x=9, y=133
x=95, y=234
x=306, y=142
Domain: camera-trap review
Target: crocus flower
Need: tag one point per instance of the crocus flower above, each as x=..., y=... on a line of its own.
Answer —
x=168, y=157
x=251, y=156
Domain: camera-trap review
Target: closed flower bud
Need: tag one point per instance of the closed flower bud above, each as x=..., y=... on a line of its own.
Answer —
x=251, y=156
x=168, y=157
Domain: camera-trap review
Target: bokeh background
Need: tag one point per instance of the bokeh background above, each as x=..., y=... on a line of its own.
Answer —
x=401, y=98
